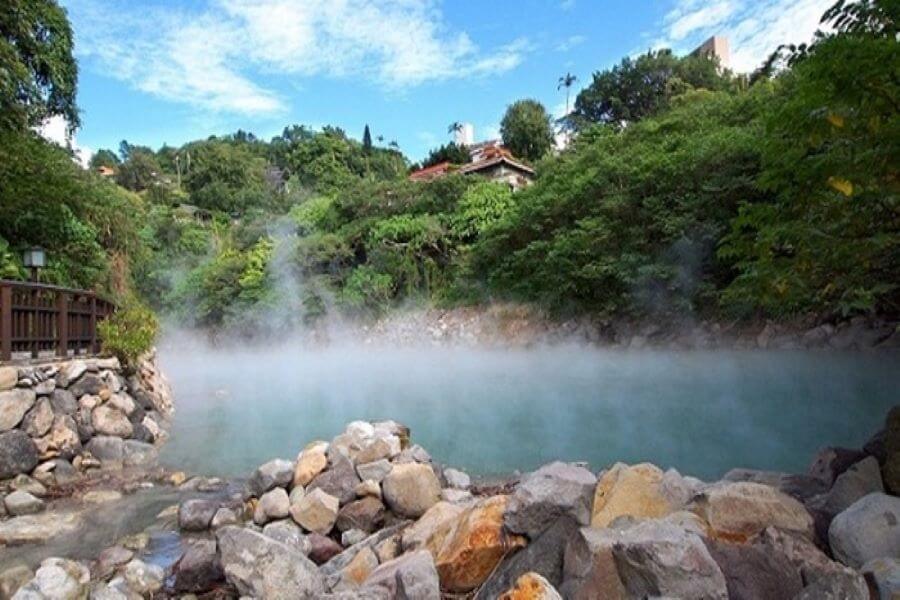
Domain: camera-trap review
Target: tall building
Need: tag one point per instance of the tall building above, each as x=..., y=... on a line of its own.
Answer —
x=717, y=46
x=465, y=136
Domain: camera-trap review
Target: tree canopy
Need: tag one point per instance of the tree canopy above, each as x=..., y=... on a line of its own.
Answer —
x=527, y=130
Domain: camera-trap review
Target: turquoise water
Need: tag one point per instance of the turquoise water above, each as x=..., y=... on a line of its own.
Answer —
x=494, y=412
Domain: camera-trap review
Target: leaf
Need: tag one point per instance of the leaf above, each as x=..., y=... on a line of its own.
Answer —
x=841, y=185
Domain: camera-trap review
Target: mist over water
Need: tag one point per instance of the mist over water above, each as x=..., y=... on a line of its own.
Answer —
x=496, y=411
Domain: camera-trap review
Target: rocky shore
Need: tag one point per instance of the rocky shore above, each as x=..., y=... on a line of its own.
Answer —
x=370, y=514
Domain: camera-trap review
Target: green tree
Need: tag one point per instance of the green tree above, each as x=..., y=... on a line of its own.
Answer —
x=367, y=140
x=566, y=81
x=38, y=74
x=642, y=87
x=104, y=158
x=139, y=170
x=526, y=130
x=451, y=153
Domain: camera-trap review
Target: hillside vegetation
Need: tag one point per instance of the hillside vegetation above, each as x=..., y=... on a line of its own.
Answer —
x=687, y=190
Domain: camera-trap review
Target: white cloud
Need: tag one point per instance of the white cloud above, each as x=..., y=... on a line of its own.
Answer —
x=754, y=28
x=56, y=130
x=573, y=41
x=567, y=4
x=219, y=57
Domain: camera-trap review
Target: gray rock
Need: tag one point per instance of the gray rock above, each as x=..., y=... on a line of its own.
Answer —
x=289, y=533
x=316, y=511
x=457, y=479
x=366, y=514
x=198, y=569
x=262, y=567
x=14, y=578
x=454, y=496
x=412, y=454
x=752, y=573
x=143, y=578
x=108, y=420
x=837, y=585
x=543, y=556
x=861, y=479
x=22, y=503
x=340, y=561
x=45, y=388
x=830, y=462
x=410, y=489
x=224, y=516
x=196, y=514
x=275, y=473
x=9, y=376
x=56, y=579
x=801, y=487
x=140, y=433
x=37, y=529
x=322, y=549
x=550, y=492
x=27, y=484
x=63, y=402
x=139, y=454
x=18, y=454
x=38, y=420
x=352, y=537
x=89, y=383
x=274, y=504
x=338, y=480
x=410, y=576
x=883, y=576
x=868, y=529
x=374, y=471
x=111, y=559
x=70, y=373
x=107, y=449
x=13, y=406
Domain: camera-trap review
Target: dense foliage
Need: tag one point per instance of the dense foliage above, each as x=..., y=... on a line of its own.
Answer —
x=526, y=130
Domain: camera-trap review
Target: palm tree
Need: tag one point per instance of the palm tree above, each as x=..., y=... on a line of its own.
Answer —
x=455, y=127
x=566, y=81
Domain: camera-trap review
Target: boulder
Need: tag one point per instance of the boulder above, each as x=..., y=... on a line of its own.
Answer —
x=63, y=402
x=883, y=576
x=88, y=384
x=9, y=376
x=754, y=573
x=18, y=453
x=258, y=566
x=643, y=559
x=196, y=514
x=356, y=571
x=430, y=531
x=838, y=585
x=107, y=449
x=368, y=488
x=410, y=489
x=738, y=511
x=13, y=406
x=800, y=552
x=38, y=420
x=316, y=512
x=374, y=471
x=138, y=454
x=542, y=556
x=412, y=454
x=627, y=490
x=62, y=440
x=457, y=479
x=21, y=502
x=45, y=388
x=25, y=483
x=861, y=479
x=476, y=546
x=410, y=576
x=377, y=449
x=322, y=549
x=455, y=496
x=109, y=560
x=830, y=462
x=275, y=473
x=13, y=578
x=868, y=529
x=70, y=373
x=339, y=480
x=273, y=505
x=37, y=529
x=311, y=461
x=531, y=586
x=351, y=537
x=108, y=420
x=366, y=515
x=57, y=579
x=550, y=492
x=198, y=569
x=224, y=516
x=288, y=533
x=142, y=578
x=801, y=487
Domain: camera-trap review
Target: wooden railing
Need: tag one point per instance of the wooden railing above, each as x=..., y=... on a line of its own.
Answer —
x=37, y=318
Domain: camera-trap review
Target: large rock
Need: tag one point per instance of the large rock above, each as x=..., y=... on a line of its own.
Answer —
x=13, y=406
x=476, y=546
x=861, y=479
x=738, y=511
x=317, y=511
x=273, y=505
x=143, y=578
x=56, y=579
x=357, y=570
x=377, y=449
x=531, y=586
x=70, y=373
x=753, y=573
x=542, y=556
x=63, y=402
x=410, y=576
x=801, y=487
x=139, y=453
x=430, y=531
x=21, y=502
x=275, y=473
x=198, y=569
x=411, y=489
x=107, y=449
x=634, y=491
x=869, y=529
x=9, y=376
x=261, y=567
x=37, y=529
x=61, y=441
x=289, y=533
x=830, y=462
x=883, y=574
x=838, y=585
x=800, y=552
x=339, y=480
x=647, y=559
x=197, y=514
x=39, y=419
x=311, y=461
x=18, y=454
x=366, y=515
x=322, y=549
x=550, y=492
x=88, y=384
x=13, y=578
x=108, y=420
x=374, y=471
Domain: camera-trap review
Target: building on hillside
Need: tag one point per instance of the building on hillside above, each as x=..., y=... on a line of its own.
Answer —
x=465, y=135
x=488, y=159
x=716, y=47
x=104, y=171
x=432, y=172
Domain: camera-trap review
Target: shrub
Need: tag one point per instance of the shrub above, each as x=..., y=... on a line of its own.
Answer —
x=129, y=332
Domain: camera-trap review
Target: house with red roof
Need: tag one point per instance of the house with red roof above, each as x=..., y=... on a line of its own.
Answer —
x=486, y=159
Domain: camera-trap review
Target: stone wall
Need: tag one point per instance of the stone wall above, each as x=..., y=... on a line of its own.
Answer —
x=81, y=414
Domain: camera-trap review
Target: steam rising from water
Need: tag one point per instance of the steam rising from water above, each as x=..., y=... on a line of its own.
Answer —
x=496, y=411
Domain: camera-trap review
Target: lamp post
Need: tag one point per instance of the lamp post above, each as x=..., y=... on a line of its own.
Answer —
x=35, y=259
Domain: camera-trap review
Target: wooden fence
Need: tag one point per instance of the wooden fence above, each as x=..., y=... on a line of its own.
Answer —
x=37, y=318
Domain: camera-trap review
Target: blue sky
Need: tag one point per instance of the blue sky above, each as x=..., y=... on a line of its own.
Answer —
x=169, y=71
